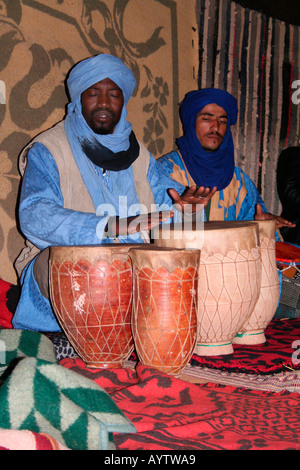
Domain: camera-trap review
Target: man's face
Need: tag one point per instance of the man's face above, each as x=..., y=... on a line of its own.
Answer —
x=211, y=126
x=102, y=105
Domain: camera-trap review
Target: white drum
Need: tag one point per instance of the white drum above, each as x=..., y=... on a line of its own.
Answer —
x=229, y=278
x=252, y=331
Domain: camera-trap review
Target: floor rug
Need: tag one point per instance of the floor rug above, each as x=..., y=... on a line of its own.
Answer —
x=278, y=354
x=279, y=382
x=172, y=414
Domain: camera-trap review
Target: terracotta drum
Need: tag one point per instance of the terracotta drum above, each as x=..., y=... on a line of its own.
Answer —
x=164, y=316
x=252, y=331
x=229, y=279
x=91, y=294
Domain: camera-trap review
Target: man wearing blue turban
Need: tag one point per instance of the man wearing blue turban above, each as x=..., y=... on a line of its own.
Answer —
x=87, y=181
x=206, y=158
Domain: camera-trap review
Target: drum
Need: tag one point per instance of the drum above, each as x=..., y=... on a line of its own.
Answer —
x=252, y=331
x=91, y=294
x=229, y=278
x=164, y=315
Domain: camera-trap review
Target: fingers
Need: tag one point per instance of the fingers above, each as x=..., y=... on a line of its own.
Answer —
x=193, y=199
x=192, y=195
x=174, y=195
x=165, y=215
x=205, y=193
x=259, y=214
x=146, y=222
x=280, y=222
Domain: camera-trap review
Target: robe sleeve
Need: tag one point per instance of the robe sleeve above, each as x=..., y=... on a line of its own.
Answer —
x=43, y=219
x=160, y=182
x=252, y=198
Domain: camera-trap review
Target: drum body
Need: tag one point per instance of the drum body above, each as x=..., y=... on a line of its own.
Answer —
x=252, y=331
x=229, y=279
x=164, y=315
x=91, y=294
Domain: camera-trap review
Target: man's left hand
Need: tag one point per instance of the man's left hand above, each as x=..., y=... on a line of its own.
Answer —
x=192, y=199
x=280, y=221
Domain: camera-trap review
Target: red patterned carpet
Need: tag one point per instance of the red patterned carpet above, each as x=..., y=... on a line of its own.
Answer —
x=172, y=414
x=276, y=355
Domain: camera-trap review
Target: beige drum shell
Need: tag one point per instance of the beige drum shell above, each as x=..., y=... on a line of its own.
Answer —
x=91, y=295
x=164, y=315
x=229, y=279
x=252, y=331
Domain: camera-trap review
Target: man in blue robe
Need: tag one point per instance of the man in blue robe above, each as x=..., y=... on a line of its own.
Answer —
x=88, y=181
x=206, y=158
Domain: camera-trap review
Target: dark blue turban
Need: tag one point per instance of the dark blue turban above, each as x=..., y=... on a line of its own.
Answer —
x=207, y=169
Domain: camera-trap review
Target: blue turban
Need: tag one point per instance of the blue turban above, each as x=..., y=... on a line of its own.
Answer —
x=97, y=68
x=84, y=75
x=207, y=169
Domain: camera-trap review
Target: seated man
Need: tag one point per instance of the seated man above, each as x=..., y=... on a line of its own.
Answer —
x=288, y=187
x=206, y=158
x=83, y=181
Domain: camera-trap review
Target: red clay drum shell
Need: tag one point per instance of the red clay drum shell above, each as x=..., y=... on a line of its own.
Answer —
x=91, y=294
x=164, y=315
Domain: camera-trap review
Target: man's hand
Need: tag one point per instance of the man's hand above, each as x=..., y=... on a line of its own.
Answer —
x=138, y=223
x=280, y=221
x=192, y=199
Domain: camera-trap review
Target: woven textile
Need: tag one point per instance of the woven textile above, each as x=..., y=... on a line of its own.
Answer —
x=172, y=414
x=42, y=396
x=15, y=344
x=255, y=58
x=28, y=440
x=280, y=382
x=278, y=354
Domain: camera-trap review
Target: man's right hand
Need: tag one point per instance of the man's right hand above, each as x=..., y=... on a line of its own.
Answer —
x=135, y=224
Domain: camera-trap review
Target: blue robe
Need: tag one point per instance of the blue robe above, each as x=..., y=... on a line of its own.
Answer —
x=239, y=205
x=235, y=204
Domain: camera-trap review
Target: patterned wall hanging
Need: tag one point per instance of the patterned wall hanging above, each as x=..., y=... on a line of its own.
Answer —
x=256, y=58
x=40, y=42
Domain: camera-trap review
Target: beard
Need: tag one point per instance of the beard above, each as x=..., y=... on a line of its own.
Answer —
x=102, y=131
x=106, y=127
x=209, y=144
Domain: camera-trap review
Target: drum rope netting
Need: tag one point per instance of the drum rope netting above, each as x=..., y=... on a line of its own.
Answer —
x=229, y=295
x=168, y=342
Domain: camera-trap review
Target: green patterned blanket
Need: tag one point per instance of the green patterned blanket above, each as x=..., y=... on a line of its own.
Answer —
x=38, y=394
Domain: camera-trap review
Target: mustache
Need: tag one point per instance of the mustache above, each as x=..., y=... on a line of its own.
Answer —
x=103, y=110
x=214, y=133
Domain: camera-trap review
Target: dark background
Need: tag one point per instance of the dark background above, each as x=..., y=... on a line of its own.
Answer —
x=284, y=10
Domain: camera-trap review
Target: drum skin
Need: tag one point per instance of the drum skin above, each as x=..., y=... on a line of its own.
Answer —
x=164, y=316
x=229, y=278
x=91, y=294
